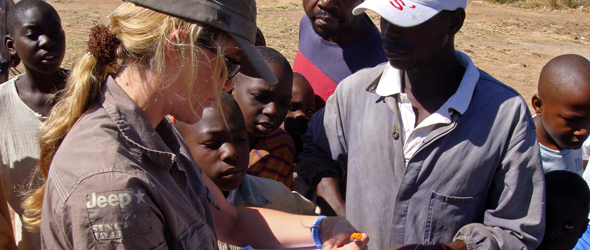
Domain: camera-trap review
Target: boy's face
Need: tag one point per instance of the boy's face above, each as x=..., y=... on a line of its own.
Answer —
x=565, y=117
x=301, y=108
x=39, y=40
x=221, y=151
x=565, y=223
x=263, y=104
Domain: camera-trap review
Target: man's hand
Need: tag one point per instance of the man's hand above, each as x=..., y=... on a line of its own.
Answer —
x=336, y=232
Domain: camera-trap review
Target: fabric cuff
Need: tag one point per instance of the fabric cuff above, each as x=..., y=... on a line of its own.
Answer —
x=310, y=169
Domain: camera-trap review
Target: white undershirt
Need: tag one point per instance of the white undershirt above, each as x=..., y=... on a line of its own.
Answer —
x=413, y=136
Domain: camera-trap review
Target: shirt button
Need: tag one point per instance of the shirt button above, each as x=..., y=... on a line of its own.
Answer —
x=395, y=134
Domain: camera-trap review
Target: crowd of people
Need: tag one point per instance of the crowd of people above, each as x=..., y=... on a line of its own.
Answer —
x=180, y=129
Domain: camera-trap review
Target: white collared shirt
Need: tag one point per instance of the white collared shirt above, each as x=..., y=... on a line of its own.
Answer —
x=413, y=136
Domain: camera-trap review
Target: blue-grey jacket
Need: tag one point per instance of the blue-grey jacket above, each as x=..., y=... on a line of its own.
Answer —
x=478, y=179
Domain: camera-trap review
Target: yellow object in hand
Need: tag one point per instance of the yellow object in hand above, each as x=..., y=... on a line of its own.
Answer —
x=357, y=236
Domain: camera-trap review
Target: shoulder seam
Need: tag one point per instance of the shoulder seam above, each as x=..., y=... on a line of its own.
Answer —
x=82, y=178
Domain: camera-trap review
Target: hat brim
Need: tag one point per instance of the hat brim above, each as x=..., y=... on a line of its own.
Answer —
x=403, y=13
x=253, y=64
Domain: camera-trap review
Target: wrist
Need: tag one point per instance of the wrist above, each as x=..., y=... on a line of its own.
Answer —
x=315, y=232
x=319, y=178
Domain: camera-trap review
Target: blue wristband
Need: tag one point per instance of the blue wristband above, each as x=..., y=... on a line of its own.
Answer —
x=315, y=232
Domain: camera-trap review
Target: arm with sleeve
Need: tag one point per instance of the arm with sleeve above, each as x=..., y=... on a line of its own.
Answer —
x=113, y=210
x=319, y=157
x=317, y=168
x=515, y=218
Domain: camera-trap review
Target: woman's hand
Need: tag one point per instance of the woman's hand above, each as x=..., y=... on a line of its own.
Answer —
x=336, y=232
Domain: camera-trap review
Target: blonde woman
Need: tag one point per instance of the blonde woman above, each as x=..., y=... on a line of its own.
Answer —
x=118, y=174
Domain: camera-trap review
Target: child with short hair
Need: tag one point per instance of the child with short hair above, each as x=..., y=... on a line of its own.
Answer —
x=36, y=36
x=301, y=108
x=567, y=206
x=562, y=108
x=265, y=106
x=219, y=144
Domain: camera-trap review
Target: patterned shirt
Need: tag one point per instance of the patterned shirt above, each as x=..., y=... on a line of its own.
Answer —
x=272, y=157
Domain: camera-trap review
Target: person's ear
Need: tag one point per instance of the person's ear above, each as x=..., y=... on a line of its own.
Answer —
x=173, y=49
x=9, y=44
x=232, y=91
x=537, y=104
x=457, y=19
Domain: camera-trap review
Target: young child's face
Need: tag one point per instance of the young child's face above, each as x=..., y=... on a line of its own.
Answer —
x=564, y=225
x=39, y=40
x=301, y=108
x=263, y=104
x=221, y=151
x=566, y=118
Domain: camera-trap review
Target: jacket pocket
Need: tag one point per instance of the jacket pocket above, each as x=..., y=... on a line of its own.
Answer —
x=198, y=236
x=448, y=214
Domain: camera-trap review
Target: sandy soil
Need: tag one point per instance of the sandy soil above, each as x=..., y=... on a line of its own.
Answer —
x=509, y=42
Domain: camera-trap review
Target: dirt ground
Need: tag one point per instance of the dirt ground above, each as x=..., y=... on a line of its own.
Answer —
x=510, y=42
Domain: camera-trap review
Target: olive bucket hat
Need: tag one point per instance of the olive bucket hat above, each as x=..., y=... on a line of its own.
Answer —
x=235, y=17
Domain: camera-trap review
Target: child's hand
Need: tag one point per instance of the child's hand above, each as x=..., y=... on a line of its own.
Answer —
x=337, y=231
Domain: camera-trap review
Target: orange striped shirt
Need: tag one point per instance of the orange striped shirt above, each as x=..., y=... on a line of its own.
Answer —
x=273, y=157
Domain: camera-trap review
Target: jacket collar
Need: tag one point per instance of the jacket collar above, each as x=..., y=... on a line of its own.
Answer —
x=390, y=81
x=160, y=145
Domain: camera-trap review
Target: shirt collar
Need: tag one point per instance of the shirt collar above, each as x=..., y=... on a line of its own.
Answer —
x=390, y=84
x=161, y=144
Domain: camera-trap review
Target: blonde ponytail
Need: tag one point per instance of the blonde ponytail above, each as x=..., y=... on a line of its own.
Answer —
x=143, y=36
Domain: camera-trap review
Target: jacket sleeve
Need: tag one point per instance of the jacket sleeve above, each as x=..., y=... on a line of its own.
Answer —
x=516, y=218
x=113, y=210
x=324, y=143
